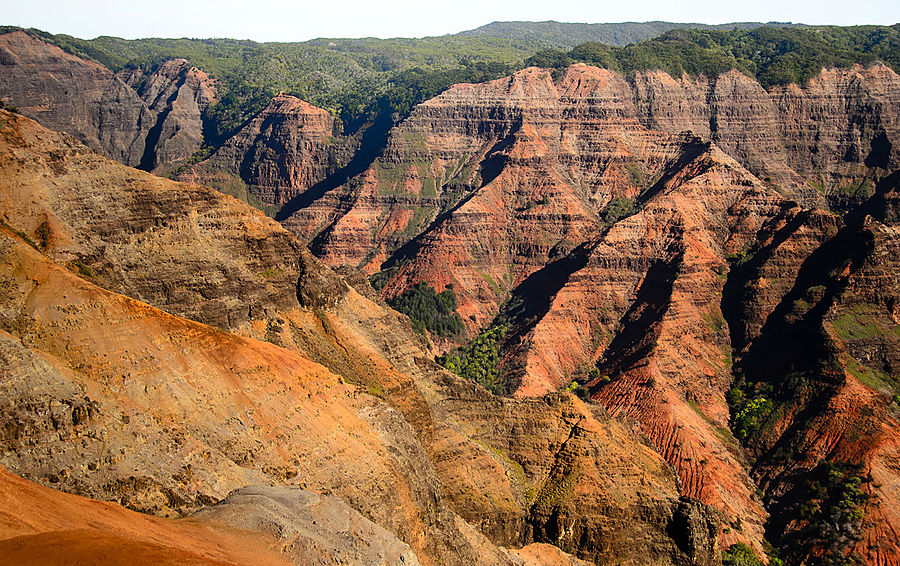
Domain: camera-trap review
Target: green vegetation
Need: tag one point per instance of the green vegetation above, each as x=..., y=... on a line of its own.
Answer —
x=490, y=281
x=861, y=323
x=750, y=407
x=774, y=56
x=84, y=271
x=434, y=312
x=380, y=279
x=479, y=360
x=25, y=238
x=271, y=273
x=559, y=486
x=740, y=555
x=8, y=107
x=619, y=208
x=831, y=502
x=563, y=34
x=595, y=375
x=723, y=433
x=858, y=323
x=358, y=79
x=738, y=258
x=355, y=78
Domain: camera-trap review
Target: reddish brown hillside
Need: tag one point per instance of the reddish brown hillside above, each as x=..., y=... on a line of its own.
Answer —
x=42, y=526
x=281, y=153
x=113, y=398
x=512, y=190
x=70, y=94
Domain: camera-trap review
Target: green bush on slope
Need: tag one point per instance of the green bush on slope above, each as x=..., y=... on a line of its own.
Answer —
x=479, y=360
x=740, y=555
x=434, y=312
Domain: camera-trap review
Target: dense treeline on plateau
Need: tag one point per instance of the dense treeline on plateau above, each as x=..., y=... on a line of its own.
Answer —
x=353, y=78
x=774, y=56
x=358, y=79
x=428, y=310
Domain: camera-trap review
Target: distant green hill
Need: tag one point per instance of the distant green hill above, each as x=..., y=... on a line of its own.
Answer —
x=568, y=35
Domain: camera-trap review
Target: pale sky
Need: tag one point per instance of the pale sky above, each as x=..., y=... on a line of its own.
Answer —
x=277, y=20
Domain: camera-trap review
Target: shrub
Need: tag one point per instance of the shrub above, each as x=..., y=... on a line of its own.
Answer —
x=750, y=417
x=619, y=207
x=434, y=312
x=479, y=360
x=740, y=555
x=9, y=107
x=831, y=503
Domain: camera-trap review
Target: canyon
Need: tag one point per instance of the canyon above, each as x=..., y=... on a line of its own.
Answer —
x=708, y=264
x=108, y=397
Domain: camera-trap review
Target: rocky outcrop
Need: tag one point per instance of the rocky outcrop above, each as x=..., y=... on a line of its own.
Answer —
x=827, y=134
x=651, y=238
x=835, y=135
x=486, y=183
x=39, y=525
x=152, y=122
x=549, y=470
x=69, y=94
x=533, y=167
x=281, y=153
x=122, y=228
x=642, y=306
x=179, y=414
x=178, y=93
x=834, y=299
x=312, y=528
x=253, y=525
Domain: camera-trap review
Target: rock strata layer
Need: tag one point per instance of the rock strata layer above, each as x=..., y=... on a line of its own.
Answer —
x=109, y=397
x=603, y=219
x=281, y=153
x=149, y=121
x=66, y=93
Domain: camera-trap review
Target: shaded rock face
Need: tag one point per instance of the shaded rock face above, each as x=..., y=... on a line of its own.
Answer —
x=486, y=183
x=108, y=397
x=828, y=288
x=549, y=470
x=498, y=178
x=134, y=232
x=153, y=127
x=69, y=94
x=187, y=413
x=282, y=152
x=643, y=306
x=178, y=93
